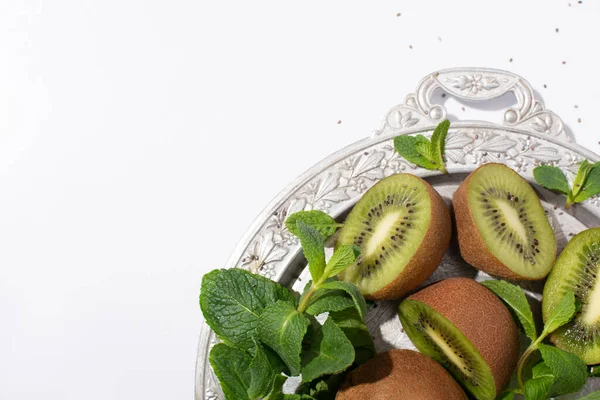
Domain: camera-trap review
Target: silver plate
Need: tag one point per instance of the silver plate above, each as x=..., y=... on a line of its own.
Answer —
x=528, y=135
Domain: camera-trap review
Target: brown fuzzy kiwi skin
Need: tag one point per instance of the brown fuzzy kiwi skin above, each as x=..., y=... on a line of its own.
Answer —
x=472, y=247
x=400, y=374
x=427, y=257
x=482, y=318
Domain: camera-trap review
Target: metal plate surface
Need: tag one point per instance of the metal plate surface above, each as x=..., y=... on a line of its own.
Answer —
x=528, y=135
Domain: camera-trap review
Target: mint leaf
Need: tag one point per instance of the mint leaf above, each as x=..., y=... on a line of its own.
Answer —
x=569, y=371
x=282, y=328
x=318, y=220
x=438, y=142
x=262, y=374
x=591, y=186
x=313, y=245
x=277, y=389
x=422, y=152
x=592, y=396
x=342, y=258
x=355, y=329
x=423, y=147
x=231, y=368
x=561, y=315
x=584, y=170
x=538, y=388
x=327, y=300
x=330, y=352
x=551, y=178
x=231, y=301
x=515, y=298
x=406, y=147
x=357, y=297
x=542, y=370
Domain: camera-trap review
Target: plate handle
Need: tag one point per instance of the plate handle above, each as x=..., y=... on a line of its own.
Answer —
x=474, y=84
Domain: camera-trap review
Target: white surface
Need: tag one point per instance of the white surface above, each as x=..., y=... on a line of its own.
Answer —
x=139, y=139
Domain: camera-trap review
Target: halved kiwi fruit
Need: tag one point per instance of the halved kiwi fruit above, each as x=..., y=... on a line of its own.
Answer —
x=400, y=374
x=576, y=271
x=464, y=326
x=403, y=229
x=502, y=227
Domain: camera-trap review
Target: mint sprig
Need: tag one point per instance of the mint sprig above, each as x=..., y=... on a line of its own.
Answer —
x=585, y=185
x=267, y=331
x=423, y=152
x=559, y=372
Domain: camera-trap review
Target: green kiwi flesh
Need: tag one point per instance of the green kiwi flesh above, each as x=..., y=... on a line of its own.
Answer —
x=388, y=224
x=511, y=221
x=576, y=271
x=434, y=335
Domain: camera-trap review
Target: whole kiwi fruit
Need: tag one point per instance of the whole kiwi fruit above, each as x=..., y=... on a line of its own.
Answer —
x=403, y=229
x=464, y=326
x=576, y=271
x=402, y=375
x=502, y=227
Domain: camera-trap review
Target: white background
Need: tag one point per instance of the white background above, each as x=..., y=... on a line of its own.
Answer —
x=139, y=139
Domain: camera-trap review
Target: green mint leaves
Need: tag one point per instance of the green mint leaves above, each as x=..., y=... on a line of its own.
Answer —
x=231, y=301
x=560, y=372
x=515, y=298
x=316, y=219
x=267, y=332
x=352, y=291
x=330, y=352
x=282, y=328
x=344, y=256
x=262, y=374
x=570, y=373
x=313, y=245
x=231, y=366
x=561, y=315
x=355, y=329
x=242, y=376
x=551, y=178
x=423, y=152
x=585, y=185
x=538, y=387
